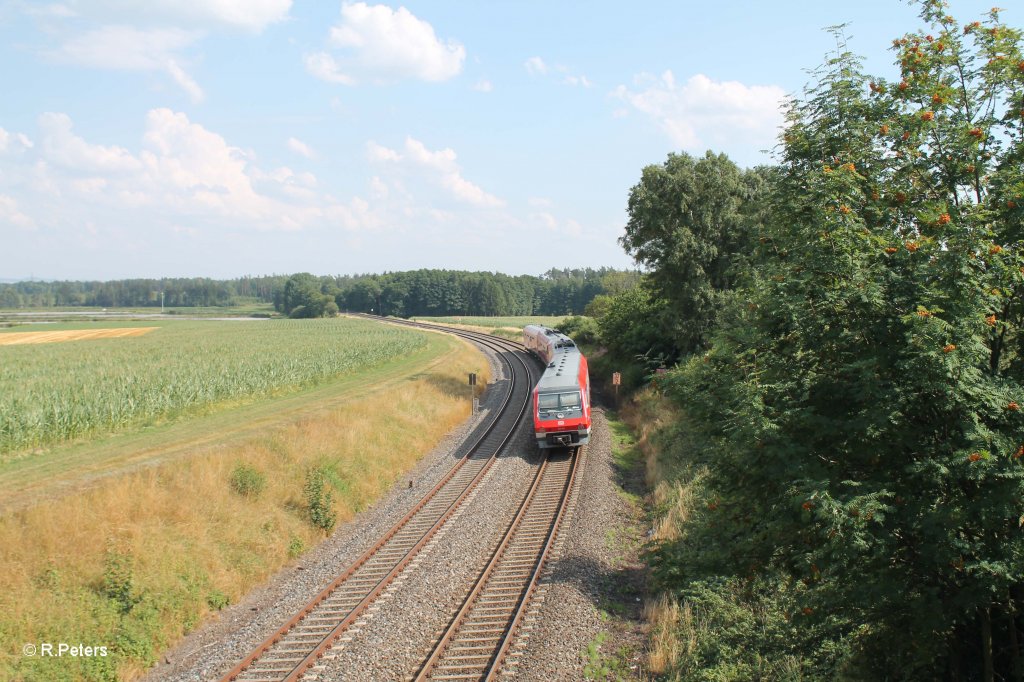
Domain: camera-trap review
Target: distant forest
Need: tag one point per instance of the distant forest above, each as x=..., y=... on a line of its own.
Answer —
x=418, y=292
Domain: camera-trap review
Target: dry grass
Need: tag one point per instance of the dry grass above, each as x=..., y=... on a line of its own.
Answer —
x=189, y=540
x=671, y=627
x=20, y=338
x=663, y=615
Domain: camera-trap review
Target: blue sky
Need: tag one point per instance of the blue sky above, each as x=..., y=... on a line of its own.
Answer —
x=221, y=138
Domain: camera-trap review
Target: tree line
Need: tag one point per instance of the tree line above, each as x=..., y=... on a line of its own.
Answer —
x=418, y=292
x=448, y=292
x=140, y=293
x=844, y=331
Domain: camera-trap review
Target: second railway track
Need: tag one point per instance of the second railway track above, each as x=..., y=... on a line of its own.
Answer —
x=478, y=638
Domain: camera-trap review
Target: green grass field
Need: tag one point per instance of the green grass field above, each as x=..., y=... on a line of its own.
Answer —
x=55, y=392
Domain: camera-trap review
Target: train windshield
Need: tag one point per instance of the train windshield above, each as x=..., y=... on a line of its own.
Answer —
x=549, y=404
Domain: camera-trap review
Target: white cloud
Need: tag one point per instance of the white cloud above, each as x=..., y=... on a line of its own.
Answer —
x=443, y=167
x=199, y=167
x=11, y=215
x=545, y=219
x=127, y=35
x=126, y=48
x=300, y=148
x=483, y=85
x=442, y=160
x=376, y=152
x=249, y=15
x=581, y=81
x=382, y=45
x=184, y=81
x=180, y=174
x=704, y=112
x=378, y=188
x=536, y=66
x=326, y=68
x=62, y=147
x=550, y=223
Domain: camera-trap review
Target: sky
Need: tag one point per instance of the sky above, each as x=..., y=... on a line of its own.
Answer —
x=222, y=138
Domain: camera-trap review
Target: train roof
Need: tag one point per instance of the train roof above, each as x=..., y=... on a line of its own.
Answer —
x=563, y=371
x=560, y=340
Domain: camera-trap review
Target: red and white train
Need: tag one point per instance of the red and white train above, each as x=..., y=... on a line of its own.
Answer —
x=561, y=399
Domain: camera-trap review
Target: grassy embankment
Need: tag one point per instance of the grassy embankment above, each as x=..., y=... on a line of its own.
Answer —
x=133, y=561
x=675, y=487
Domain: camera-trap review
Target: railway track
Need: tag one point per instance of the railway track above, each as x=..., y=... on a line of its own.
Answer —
x=478, y=638
x=299, y=644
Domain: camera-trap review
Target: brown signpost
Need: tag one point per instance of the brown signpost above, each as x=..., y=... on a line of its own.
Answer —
x=472, y=391
x=616, y=380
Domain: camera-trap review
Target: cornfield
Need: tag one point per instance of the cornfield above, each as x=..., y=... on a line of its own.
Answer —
x=62, y=391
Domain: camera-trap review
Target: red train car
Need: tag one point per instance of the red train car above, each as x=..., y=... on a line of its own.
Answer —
x=561, y=399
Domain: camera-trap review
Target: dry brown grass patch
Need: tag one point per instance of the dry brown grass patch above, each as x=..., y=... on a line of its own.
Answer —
x=19, y=338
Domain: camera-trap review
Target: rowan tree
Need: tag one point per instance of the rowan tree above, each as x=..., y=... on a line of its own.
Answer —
x=866, y=397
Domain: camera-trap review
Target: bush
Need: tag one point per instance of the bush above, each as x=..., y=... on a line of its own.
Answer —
x=118, y=581
x=217, y=600
x=580, y=329
x=247, y=480
x=319, y=500
x=295, y=547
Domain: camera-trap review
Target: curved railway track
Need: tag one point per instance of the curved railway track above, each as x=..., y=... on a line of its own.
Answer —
x=478, y=638
x=299, y=644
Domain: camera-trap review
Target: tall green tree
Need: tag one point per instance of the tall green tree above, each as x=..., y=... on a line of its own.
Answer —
x=690, y=222
x=864, y=399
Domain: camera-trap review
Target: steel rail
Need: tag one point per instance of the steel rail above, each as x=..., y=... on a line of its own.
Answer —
x=497, y=610
x=282, y=667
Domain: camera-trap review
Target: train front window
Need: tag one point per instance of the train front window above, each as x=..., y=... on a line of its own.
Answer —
x=551, y=404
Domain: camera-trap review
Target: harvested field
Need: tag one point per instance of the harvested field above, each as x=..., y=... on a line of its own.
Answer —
x=19, y=338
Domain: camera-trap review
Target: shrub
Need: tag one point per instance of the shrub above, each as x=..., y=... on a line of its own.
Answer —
x=295, y=547
x=117, y=580
x=319, y=500
x=247, y=480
